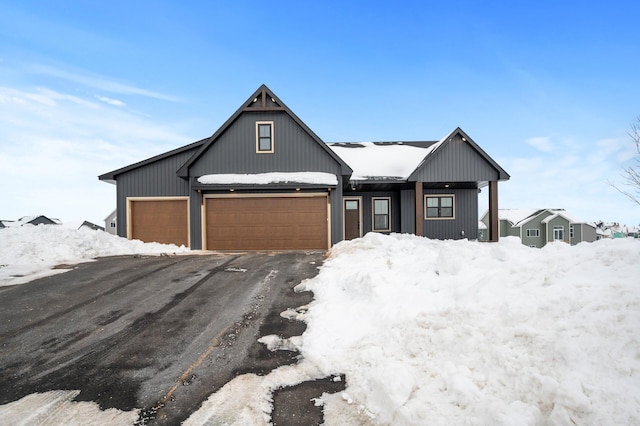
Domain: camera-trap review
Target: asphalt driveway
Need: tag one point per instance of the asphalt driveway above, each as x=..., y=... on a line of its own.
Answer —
x=154, y=333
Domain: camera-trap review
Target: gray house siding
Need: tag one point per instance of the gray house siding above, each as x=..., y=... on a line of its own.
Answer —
x=408, y=211
x=532, y=241
x=235, y=149
x=456, y=161
x=157, y=179
x=294, y=151
x=588, y=232
x=466, y=216
x=367, y=210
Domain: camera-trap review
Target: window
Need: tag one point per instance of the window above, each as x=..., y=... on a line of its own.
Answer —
x=533, y=232
x=439, y=207
x=264, y=137
x=113, y=224
x=381, y=214
x=558, y=232
x=570, y=231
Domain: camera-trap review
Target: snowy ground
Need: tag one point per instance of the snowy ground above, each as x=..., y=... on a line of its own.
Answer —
x=449, y=332
x=29, y=252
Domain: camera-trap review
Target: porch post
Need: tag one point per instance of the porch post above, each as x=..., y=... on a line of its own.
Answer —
x=419, y=213
x=493, y=212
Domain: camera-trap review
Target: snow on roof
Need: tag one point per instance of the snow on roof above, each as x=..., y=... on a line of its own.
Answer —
x=516, y=216
x=562, y=213
x=318, y=178
x=372, y=160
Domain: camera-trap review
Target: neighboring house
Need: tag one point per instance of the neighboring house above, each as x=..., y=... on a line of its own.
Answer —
x=537, y=227
x=615, y=230
x=110, y=223
x=90, y=225
x=264, y=180
x=31, y=220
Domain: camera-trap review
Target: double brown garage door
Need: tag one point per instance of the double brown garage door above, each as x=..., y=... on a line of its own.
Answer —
x=237, y=223
x=266, y=223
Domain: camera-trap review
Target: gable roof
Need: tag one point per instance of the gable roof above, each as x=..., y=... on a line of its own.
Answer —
x=111, y=176
x=262, y=99
x=436, y=148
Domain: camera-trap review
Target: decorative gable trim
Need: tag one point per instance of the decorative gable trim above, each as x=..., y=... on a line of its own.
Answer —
x=438, y=147
x=262, y=99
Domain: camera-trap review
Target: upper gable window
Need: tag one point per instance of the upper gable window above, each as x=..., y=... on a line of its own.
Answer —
x=264, y=137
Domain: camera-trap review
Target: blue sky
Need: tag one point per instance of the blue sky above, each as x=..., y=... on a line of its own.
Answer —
x=548, y=89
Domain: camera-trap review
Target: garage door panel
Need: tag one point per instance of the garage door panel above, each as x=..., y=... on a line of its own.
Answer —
x=266, y=223
x=161, y=221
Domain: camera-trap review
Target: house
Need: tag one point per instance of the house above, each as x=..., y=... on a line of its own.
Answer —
x=265, y=181
x=110, y=222
x=30, y=220
x=615, y=230
x=537, y=227
x=91, y=225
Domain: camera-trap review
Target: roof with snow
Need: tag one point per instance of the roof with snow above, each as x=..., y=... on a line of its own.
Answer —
x=518, y=217
x=383, y=160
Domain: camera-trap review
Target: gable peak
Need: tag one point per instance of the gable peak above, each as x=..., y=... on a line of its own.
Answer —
x=263, y=99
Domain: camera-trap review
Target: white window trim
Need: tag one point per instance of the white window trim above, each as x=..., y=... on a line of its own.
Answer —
x=273, y=138
x=373, y=214
x=558, y=228
x=453, y=207
x=537, y=233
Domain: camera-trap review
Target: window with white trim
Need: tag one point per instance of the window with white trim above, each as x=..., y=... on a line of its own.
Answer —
x=439, y=206
x=264, y=137
x=571, y=233
x=533, y=232
x=558, y=232
x=381, y=212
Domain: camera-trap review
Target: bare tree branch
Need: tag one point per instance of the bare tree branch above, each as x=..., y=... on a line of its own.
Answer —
x=631, y=174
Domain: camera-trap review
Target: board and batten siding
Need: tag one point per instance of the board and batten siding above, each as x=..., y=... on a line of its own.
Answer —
x=456, y=161
x=466, y=216
x=408, y=211
x=157, y=179
x=294, y=149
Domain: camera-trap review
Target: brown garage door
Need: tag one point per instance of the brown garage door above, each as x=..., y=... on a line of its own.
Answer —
x=161, y=221
x=267, y=223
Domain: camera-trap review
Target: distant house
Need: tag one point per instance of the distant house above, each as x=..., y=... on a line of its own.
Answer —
x=615, y=230
x=90, y=225
x=265, y=181
x=537, y=227
x=110, y=223
x=31, y=220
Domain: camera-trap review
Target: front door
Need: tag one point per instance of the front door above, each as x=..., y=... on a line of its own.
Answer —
x=352, y=226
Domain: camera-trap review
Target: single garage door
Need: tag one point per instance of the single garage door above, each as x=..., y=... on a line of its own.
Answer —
x=267, y=223
x=161, y=221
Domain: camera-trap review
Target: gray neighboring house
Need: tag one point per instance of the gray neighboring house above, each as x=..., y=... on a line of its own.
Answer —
x=31, y=220
x=110, y=222
x=265, y=181
x=537, y=227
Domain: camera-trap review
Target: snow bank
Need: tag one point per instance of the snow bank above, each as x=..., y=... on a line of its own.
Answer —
x=318, y=178
x=459, y=332
x=29, y=252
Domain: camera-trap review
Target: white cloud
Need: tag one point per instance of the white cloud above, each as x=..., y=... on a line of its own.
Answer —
x=98, y=82
x=541, y=143
x=54, y=145
x=114, y=102
x=573, y=177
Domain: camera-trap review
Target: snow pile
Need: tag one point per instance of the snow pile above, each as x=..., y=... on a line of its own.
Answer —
x=317, y=178
x=29, y=252
x=459, y=332
x=59, y=408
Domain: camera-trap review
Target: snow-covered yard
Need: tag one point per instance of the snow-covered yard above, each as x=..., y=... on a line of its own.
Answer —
x=432, y=332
